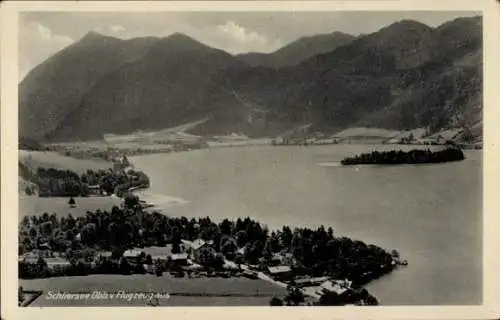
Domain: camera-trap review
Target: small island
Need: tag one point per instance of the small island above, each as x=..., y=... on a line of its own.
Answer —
x=411, y=157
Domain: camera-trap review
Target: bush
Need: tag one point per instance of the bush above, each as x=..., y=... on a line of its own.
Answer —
x=276, y=302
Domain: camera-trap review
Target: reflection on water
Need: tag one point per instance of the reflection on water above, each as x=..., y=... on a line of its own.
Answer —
x=430, y=213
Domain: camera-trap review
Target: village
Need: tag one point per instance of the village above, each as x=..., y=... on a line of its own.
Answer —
x=191, y=263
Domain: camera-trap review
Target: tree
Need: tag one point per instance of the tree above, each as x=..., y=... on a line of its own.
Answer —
x=131, y=201
x=229, y=249
x=467, y=135
x=294, y=297
x=20, y=295
x=275, y=302
x=241, y=238
x=125, y=267
x=330, y=232
x=28, y=191
x=158, y=268
x=268, y=252
x=329, y=299
x=218, y=262
x=226, y=226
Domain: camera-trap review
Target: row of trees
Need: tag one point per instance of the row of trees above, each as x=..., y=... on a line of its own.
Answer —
x=410, y=157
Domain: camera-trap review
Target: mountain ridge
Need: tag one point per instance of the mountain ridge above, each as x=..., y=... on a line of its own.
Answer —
x=405, y=75
x=297, y=51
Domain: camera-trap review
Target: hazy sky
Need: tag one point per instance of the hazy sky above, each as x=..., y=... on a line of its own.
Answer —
x=44, y=33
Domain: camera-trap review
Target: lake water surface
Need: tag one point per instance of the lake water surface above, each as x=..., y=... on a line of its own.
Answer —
x=432, y=214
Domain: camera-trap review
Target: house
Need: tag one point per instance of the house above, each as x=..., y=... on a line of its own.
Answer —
x=179, y=259
x=132, y=256
x=36, y=253
x=250, y=274
x=196, y=247
x=94, y=190
x=306, y=282
x=148, y=268
x=280, y=272
x=159, y=257
x=105, y=254
x=242, y=250
x=29, y=259
x=44, y=246
x=229, y=265
x=120, y=164
x=339, y=287
x=57, y=263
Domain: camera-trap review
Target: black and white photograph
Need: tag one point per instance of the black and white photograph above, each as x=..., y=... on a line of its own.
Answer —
x=195, y=158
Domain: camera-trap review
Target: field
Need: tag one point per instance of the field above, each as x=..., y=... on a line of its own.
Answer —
x=30, y=205
x=374, y=133
x=45, y=159
x=183, y=291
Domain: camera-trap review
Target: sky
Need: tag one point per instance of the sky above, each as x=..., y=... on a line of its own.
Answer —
x=41, y=34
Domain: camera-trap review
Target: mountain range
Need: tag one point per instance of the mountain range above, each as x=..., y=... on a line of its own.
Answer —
x=404, y=76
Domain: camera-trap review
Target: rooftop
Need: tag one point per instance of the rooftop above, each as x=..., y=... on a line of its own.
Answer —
x=198, y=243
x=132, y=253
x=311, y=280
x=106, y=254
x=57, y=261
x=279, y=269
x=179, y=256
x=333, y=287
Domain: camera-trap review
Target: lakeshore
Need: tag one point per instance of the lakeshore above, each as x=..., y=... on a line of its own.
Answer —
x=28, y=269
x=50, y=248
x=400, y=206
x=186, y=205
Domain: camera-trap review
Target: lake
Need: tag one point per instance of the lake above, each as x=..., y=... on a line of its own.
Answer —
x=432, y=214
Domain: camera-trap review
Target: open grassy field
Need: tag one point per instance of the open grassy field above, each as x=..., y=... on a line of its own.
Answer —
x=374, y=133
x=183, y=291
x=30, y=205
x=46, y=159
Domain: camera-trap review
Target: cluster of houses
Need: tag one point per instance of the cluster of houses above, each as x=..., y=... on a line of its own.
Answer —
x=53, y=259
x=317, y=139
x=189, y=257
x=316, y=287
x=278, y=268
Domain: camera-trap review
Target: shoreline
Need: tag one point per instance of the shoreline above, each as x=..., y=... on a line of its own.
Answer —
x=73, y=150
x=168, y=210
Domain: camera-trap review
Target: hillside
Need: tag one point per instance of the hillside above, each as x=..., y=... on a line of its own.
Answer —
x=404, y=76
x=177, y=81
x=297, y=51
x=54, y=88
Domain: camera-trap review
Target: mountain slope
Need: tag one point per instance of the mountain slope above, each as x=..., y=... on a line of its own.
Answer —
x=395, y=78
x=297, y=51
x=177, y=81
x=54, y=88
